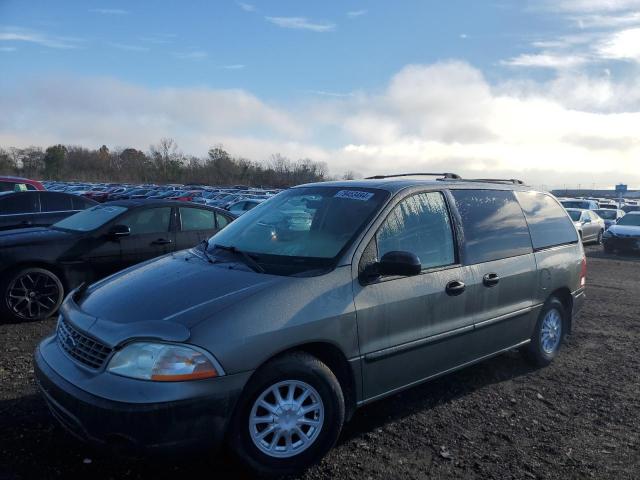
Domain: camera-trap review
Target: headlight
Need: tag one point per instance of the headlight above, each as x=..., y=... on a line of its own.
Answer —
x=162, y=362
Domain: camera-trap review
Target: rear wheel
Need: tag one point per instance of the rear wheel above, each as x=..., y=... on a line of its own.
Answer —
x=549, y=333
x=289, y=416
x=599, y=239
x=30, y=294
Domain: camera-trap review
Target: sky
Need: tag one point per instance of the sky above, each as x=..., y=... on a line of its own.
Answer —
x=547, y=91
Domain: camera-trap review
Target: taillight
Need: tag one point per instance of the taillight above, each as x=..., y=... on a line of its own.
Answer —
x=583, y=272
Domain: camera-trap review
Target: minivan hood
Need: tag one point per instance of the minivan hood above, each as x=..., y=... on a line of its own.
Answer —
x=627, y=230
x=181, y=288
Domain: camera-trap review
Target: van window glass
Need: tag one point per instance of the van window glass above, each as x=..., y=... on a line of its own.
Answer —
x=493, y=224
x=50, y=202
x=81, y=203
x=419, y=224
x=18, y=203
x=222, y=221
x=548, y=222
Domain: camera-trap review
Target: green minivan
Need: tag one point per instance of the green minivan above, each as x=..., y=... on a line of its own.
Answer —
x=322, y=299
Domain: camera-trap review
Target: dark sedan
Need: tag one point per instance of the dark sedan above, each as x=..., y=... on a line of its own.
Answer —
x=35, y=208
x=39, y=265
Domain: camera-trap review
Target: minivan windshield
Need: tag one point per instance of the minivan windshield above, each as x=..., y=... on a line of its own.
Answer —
x=631, y=220
x=90, y=219
x=305, y=227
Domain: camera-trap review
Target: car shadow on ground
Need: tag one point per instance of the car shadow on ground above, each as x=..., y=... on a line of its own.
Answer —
x=32, y=445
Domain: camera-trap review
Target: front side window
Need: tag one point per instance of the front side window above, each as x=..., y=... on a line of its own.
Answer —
x=197, y=219
x=304, y=225
x=421, y=225
x=152, y=220
x=631, y=220
x=493, y=224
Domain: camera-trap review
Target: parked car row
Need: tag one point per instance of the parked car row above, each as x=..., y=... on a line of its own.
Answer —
x=223, y=197
x=626, y=205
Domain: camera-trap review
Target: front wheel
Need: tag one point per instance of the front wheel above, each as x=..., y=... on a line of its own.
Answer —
x=548, y=333
x=289, y=417
x=599, y=239
x=30, y=294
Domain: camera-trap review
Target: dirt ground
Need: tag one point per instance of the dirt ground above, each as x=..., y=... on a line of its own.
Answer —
x=578, y=418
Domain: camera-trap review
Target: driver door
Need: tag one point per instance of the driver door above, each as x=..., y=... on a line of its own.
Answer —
x=152, y=234
x=412, y=327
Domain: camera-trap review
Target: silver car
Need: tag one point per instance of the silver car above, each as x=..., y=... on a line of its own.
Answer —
x=590, y=225
x=327, y=297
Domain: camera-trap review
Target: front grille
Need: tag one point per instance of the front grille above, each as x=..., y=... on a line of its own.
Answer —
x=82, y=348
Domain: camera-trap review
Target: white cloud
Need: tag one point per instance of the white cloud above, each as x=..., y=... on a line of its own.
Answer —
x=623, y=45
x=127, y=47
x=301, y=23
x=546, y=60
x=235, y=66
x=109, y=11
x=592, y=5
x=356, y=13
x=17, y=34
x=573, y=129
x=192, y=55
x=247, y=7
x=8, y=49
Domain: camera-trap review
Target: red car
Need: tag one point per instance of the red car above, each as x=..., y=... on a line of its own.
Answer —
x=187, y=196
x=17, y=184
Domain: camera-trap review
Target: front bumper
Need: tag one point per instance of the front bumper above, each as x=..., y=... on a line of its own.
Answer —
x=622, y=243
x=151, y=425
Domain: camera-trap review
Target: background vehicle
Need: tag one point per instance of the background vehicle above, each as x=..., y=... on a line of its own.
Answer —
x=38, y=265
x=37, y=208
x=610, y=216
x=624, y=235
x=243, y=206
x=580, y=203
x=589, y=225
x=16, y=184
x=284, y=327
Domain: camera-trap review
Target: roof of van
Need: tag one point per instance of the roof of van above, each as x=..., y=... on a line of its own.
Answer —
x=395, y=184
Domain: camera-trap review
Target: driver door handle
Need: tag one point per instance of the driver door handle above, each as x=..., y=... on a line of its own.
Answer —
x=490, y=279
x=455, y=287
x=161, y=241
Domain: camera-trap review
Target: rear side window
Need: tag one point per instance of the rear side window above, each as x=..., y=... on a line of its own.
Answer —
x=197, y=219
x=419, y=224
x=80, y=203
x=50, y=202
x=548, y=221
x=493, y=224
x=144, y=222
x=18, y=203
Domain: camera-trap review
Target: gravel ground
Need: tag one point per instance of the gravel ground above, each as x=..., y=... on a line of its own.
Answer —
x=578, y=418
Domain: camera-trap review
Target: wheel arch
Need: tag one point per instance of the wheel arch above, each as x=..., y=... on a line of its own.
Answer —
x=564, y=295
x=38, y=264
x=333, y=357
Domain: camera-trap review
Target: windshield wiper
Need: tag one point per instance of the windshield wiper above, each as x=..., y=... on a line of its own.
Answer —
x=250, y=262
x=205, y=245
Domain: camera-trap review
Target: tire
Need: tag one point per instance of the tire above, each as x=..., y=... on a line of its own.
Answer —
x=599, y=238
x=325, y=399
x=541, y=352
x=43, y=293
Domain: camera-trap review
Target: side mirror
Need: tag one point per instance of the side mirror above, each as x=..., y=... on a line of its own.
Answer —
x=118, y=231
x=399, y=263
x=586, y=220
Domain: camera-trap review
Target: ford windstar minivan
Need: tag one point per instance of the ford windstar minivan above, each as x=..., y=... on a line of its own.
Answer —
x=319, y=300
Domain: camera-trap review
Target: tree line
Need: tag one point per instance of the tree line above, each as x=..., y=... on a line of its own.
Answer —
x=162, y=163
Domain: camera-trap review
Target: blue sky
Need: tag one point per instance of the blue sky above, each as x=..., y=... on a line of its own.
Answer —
x=327, y=80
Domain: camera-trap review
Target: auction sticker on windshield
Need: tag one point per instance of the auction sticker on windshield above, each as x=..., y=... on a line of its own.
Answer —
x=354, y=195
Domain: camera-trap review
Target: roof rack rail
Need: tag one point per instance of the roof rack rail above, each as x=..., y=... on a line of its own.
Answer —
x=452, y=176
x=514, y=181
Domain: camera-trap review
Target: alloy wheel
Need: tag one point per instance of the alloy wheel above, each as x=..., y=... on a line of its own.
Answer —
x=33, y=295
